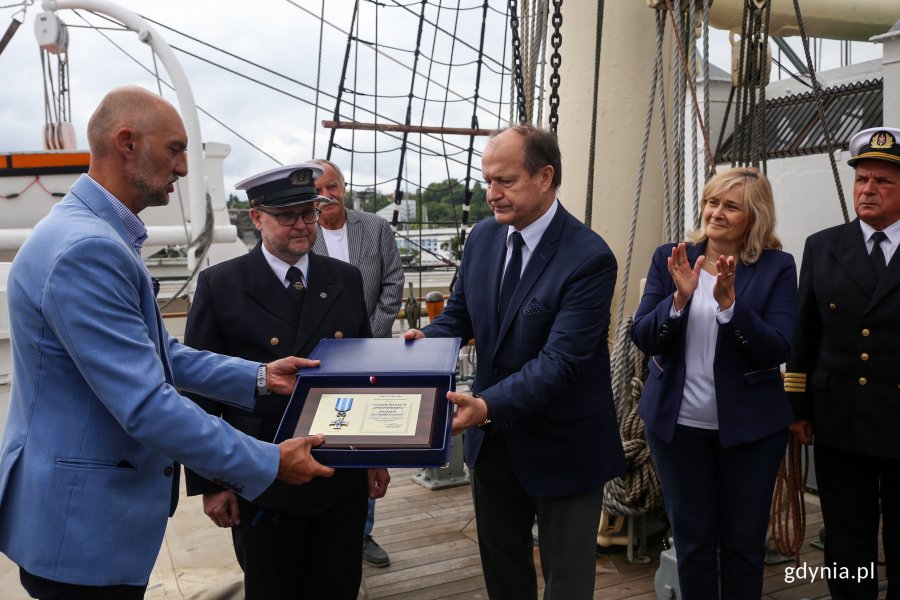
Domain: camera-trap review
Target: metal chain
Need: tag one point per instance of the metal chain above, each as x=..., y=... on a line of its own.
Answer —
x=555, y=62
x=542, y=60
x=517, y=59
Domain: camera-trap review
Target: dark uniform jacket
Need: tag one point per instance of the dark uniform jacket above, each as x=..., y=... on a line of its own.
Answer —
x=844, y=372
x=242, y=309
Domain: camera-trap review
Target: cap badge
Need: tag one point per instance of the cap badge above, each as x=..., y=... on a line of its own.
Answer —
x=882, y=140
x=301, y=177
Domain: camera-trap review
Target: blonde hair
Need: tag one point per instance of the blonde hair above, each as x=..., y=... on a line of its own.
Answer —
x=759, y=204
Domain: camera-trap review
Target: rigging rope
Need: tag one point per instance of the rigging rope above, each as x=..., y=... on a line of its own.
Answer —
x=398, y=193
x=638, y=490
x=315, y=124
x=203, y=242
x=171, y=87
x=14, y=25
x=788, y=521
x=598, y=39
x=679, y=120
x=817, y=93
x=617, y=370
x=683, y=57
x=467, y=198
x=342, y=80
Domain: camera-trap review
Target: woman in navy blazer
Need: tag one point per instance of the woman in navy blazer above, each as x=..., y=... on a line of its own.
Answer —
x=716, y=319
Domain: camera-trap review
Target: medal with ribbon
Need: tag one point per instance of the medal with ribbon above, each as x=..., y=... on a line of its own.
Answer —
x=341, y=406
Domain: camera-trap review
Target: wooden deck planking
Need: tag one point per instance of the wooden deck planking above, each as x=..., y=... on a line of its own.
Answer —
x=431, y=538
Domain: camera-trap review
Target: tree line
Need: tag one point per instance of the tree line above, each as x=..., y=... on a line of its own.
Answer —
x=442, y=202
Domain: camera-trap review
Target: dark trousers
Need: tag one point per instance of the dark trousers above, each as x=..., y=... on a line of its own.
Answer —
x=718, y=502
x=504, y=515
x=46, y=589
x=856, y=491
x=291, y=556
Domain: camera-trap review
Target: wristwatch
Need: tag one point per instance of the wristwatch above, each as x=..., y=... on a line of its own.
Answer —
x=262, y=389
x=487, y=419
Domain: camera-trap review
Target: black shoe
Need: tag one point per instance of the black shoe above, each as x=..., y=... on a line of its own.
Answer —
x=374, y=554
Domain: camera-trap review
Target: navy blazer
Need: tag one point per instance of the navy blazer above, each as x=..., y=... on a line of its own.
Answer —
x=750, y=348
x=544, y=370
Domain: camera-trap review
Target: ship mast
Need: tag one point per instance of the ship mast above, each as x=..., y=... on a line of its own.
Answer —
x=147, y=34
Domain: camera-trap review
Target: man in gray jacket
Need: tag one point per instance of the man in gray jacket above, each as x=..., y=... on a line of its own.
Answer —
x=365, y=241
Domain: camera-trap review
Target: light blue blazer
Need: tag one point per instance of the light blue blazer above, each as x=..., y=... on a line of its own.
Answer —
x=87, y=459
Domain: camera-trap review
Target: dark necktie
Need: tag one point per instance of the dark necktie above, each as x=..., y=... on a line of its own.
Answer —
x=512, y=273
x=295, y=277
x=877, y=255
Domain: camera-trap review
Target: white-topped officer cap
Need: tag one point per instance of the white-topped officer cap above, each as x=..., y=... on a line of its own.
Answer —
x=284, y=186
x=876, y=143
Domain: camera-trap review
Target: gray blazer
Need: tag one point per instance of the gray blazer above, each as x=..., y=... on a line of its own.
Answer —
x=374, y=252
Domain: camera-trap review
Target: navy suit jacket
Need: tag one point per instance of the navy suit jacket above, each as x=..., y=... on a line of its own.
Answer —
x=543, y=369
x=750, y=348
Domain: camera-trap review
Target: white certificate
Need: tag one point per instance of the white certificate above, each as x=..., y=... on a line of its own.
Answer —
x=385, y=414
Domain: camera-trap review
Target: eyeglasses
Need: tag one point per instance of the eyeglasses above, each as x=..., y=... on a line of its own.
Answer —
x=288, y=218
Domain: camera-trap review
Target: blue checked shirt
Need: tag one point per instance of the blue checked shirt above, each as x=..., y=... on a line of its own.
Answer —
x=136, y=229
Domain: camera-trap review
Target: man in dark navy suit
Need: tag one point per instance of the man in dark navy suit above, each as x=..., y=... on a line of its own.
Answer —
x=843, y=377
x=534, y=290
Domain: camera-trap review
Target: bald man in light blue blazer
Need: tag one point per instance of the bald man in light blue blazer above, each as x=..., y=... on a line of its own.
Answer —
x=89, y=459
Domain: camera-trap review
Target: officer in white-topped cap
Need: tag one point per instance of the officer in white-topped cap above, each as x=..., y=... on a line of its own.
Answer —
x=843, y=377
x=283, y=186
x=280, y=300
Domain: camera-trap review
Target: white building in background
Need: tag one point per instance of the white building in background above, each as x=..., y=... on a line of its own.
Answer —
x=424, y=244
x=407, y=212
x=418, y=247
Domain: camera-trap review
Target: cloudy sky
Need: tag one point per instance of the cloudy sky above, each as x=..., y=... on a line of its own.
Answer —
x=278, y=114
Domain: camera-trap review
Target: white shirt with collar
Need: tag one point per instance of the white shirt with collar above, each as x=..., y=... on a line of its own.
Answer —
x=280, y=268
x=888, y=246
x=531, y=235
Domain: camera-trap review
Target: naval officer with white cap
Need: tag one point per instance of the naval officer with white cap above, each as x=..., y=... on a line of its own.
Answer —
x=844, y=374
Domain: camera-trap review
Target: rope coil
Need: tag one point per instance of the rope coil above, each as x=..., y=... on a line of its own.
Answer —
x=638, y=491
x=788, y=514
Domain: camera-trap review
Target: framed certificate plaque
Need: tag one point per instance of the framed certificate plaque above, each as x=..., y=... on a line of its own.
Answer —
x=369, y=418
x=379, y=402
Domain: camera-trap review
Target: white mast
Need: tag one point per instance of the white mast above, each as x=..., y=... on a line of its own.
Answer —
x=148, y=35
